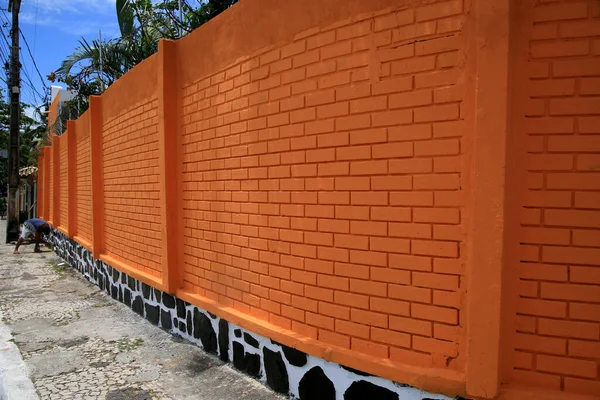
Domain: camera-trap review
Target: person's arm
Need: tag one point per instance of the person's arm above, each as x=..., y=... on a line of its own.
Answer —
x=19, y=243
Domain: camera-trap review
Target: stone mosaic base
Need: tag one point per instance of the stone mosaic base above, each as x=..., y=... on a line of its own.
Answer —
x=282, y=368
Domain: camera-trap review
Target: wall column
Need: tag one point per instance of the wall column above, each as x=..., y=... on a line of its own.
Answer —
x=488, y=36
x=40, y=187
x=170, y=167
x=47, y=157
x=97, y=175
x=72, y=177
x=56, y=180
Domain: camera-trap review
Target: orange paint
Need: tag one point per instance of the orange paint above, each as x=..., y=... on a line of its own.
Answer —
x=402, y=187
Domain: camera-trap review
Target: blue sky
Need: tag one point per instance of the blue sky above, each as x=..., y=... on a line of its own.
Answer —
x=53, y=28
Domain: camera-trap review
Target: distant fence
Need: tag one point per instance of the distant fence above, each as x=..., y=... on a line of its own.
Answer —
x=391, y=185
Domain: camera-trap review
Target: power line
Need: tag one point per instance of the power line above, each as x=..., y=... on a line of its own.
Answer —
x=33, y=59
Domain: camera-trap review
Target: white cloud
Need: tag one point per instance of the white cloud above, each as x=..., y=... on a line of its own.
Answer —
x=70, y=6
x=74, y=26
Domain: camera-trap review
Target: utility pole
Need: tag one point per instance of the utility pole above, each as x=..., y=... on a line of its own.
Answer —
x=12, y=223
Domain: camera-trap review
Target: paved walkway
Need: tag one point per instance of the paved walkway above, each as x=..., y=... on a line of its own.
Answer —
x=77, y=343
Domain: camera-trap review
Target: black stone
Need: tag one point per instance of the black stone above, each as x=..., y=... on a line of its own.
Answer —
x=152, y=314
x=189, y=323
x=158, y=295
x=138, y=305
x=180, y=309
x=131, y=283
x=295, y=357
x=204, y=331
x=127, y=297
x=175, y=322
x=213, y=316
x=182, y=326
x=355, y=371
x=237, y=333
x=361, y=390
x=250, y=340
x=120, y=295
x=253, y=365
x=146, y=291
x=223, y=340
x=239, y=361
x=123, y=278
x=165, y=320
x=275, y=343
x=100, y=282
x=277, y=377
x=114, y=292
x=315, y=385
x=168, y=301
x=109, y=269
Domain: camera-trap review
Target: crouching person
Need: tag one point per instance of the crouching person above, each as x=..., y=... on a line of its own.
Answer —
x=32, y=231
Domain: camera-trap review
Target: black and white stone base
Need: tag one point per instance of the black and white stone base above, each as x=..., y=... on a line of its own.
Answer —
x=282, y=368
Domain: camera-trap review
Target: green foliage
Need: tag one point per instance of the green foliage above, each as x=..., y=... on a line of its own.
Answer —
x=142, y=24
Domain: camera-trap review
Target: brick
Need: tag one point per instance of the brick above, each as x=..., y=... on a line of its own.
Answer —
x=572, y=181
x=449, y=94
x=584, y=274
x=434, y=313
x=545, y=235
x=396, y=53
x=451, y=59
x=542, y=308
x=588, y=162
x=448, y=349
x=435, y=281
x=393, y=20
x=368, y=105
x=576, y=68
x=574, y=106
x=337, y=79
x=547, y=272
x=549, y=88
x=351, y=299
x=585, y=312
x=393, y=118
x=573, y=218
x=411, y=199
x=579, y=330
x=413, y=31
x=410, y=262
x=353, y=92
x=532, y=378
x=583, y=386
x=318, y=293
x=370, y=348
x=436, y=215
x=549, y=162
x=564, y=291
x=369, y=318
x=538, y=343
x=437, y=147
x=556, y=12
x=390, y=214
x=411, y=166
x=394, y=85
x=438, y=45
x=413, y=65
x=587, y=200
x=411, y=99
x=567, y=366
x=559, y=49
x=436, y=113
x=408, y=133
x=352, y=329
x=316, y=127
x=410, y=230
x=587, y=349
x=590, y=86
x=579, y=29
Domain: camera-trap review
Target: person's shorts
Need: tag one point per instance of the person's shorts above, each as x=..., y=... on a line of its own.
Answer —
x=28, y=231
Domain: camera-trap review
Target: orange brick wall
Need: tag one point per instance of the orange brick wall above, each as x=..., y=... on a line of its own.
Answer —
x=50, y=208
x=558, y=310
x=323, y=185
x=63, y=197
x=321, y=179
x=84, y=179
x=130, y=151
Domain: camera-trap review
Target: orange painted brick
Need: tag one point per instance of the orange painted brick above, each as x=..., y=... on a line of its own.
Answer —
x=369, y=318
x=559, y=49
x=437, y=147
x=352, y=329
x=333, y=110
x=367, y=287
x=395, y=85
x=447, y=299
x=368, y=105
x=435, y=281
x=410, y=293
x=587, y=200
x=390, y=245
x=292, y=313
x=584, y=274
x=389, y=337
x=410, y=230
x=336, y=50
x=317, y=127
x=411, y=166
x=353, y=30
x=583, y=386
x=580, y=348
x=352, y=183
x=352, y=270
x=578, y=330
x=335, y=311
x=564, y=291
x=439, y=10
x=391, y=182
x=410, y=262
x=318, y=293
x=397, y=53
x=434, y=313
x=544, y=272
x=370, y=348
x=411, y=99
x=390, y=275
x=353, y=92
x=436, y=113
x=337, y=79
x=575, y=68
x=368, y=257
x=413, y=65
x=542, y=308
x=352, y=242
x=410, y=357
x=532, y=378
x=388, y=306
x=567, y=366
x=439, y=45
x=322, y=68
x=412, y=132
x=369, y=199
x=353, y=122
x=320, y=321
x=568, y=254
x=353, y=213
x=557, y=12
x=390, y=214
x=333, y=282
x=392, y=118
x=436, y=182
x=436, y=346
x=574, y=106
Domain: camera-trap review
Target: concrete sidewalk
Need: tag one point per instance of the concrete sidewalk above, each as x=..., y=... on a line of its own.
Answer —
x=78, y=343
